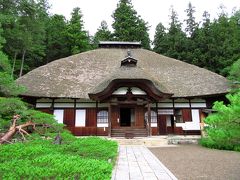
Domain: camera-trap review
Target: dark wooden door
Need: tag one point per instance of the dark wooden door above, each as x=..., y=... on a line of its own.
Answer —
x=162, y=124
x=125, y=116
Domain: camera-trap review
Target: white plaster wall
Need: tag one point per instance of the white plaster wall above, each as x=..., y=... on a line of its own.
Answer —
x=165, y=111
x=199, y=105
x=58, y=113
x=138, y=91
x=63, y=105
x=102, y=124
x=163, y=105
x=194, y=124
x=153, y=124
x=121, y=90
x=43, y=105
x=80, y=118
x=85, y=105
x=181, y=105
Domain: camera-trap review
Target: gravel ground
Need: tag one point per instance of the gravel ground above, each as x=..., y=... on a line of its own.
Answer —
x=196, y=162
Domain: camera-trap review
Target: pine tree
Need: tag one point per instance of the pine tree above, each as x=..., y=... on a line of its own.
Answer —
x=128, y=26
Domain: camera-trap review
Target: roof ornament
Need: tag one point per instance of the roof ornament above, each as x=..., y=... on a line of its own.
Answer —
x=129, y=60
x=129, y=53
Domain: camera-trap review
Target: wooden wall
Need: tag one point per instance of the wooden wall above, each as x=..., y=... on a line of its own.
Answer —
x=88, y=131
x=69, y=117
x=139, y=116
x=154, y=131
x=114, y=116
x=46, y=110
x=91, y=118
x=186, y=115
x=162, y=124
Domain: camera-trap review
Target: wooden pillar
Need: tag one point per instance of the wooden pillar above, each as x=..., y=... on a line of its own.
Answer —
x=190, y=106
x=75, y=109
x=157, y=118
x=109, y=119
x=96, y=118
x=149, y=119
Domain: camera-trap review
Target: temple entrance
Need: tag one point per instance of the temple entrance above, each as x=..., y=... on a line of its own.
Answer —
x=126, y=116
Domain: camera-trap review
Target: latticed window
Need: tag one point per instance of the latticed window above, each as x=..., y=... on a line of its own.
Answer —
x=153, y=116
x=102, y=116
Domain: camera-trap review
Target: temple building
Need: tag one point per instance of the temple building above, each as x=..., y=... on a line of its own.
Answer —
x=122, y=90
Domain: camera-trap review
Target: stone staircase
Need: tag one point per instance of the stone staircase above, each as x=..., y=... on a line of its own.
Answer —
x=129, y=132
x=154, y=141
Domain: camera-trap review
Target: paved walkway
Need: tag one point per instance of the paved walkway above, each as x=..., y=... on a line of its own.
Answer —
x=137, y=162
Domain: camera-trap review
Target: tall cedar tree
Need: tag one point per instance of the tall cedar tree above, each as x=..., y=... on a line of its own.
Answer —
x=190, y=30
x=176, y=38
x=24, y=31
x=160, y=41
x=7, y=84
x=56, y=42
x=77, y=36
x=128, y=26
x=102, y=34
x=191, y=24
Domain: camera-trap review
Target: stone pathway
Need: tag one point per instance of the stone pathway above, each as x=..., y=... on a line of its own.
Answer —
x=137, y=162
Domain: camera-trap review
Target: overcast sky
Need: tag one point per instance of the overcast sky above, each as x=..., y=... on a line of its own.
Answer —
x=152, y=11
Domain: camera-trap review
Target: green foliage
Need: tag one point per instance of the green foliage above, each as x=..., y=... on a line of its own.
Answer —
x=234, y=76
x=84, y=158
x=57, y=45
x=8, y=108
x=8, y=87
x=102, y=34
x=190, y=21
x=128, y=26
x=175, y=39
x=213, y=45
x=77, y=36
x=13, y=106
x=223, y=130
x=234, y=73
x=160, y=39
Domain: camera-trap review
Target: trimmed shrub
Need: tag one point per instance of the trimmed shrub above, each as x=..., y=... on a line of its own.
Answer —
x=76, y=158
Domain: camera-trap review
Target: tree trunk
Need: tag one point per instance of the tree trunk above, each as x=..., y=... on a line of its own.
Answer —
x=23, y=58
x=14, y=62
x=14, y=129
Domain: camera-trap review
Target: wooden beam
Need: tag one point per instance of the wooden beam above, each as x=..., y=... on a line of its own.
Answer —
x=109, y=119
x=96, y=117
x=149, y=119
x=128, y=102
x=157, y=118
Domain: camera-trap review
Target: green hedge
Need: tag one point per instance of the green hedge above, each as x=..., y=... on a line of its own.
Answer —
x=76, y=158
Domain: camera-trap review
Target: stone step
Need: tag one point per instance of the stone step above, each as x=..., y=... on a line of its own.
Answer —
x=146, y=141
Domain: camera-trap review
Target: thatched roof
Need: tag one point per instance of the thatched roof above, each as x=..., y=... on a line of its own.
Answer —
x=90, y=72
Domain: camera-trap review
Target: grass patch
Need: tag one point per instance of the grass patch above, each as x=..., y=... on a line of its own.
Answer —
x=76, y=158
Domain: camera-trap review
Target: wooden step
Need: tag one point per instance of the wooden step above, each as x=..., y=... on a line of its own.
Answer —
x=129, y=132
